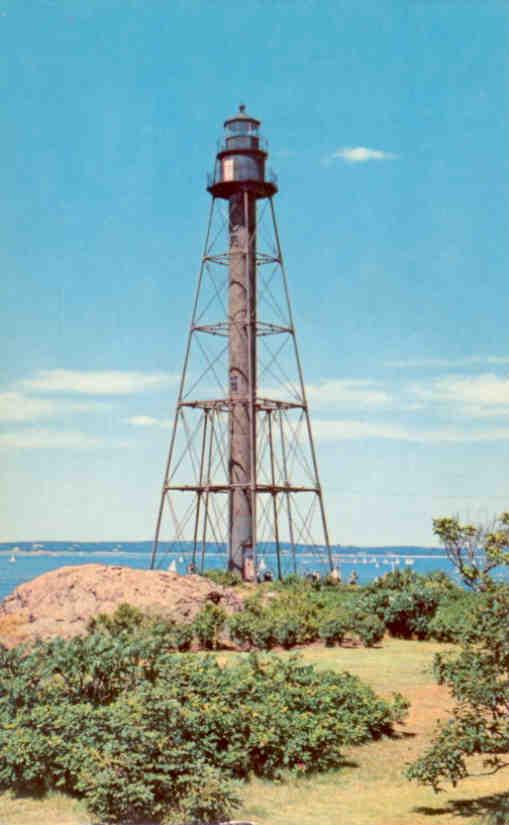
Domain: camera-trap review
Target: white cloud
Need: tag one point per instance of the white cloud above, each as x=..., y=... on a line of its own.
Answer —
x=100, y=382
x=445, y=363
x=486, y=392
x=469, y=396
x=361, y=154
x=343, y=430
x=480, y=411
x=347, y=391
x=16, y=406
x=147, y=421
x=55, y=440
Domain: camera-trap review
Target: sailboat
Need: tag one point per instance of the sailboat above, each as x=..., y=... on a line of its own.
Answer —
x=12, y=559
x=172, y=568
x=262, y=566
x=181, y=559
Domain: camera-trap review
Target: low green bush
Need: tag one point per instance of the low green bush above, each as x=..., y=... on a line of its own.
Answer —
x=250, y=630
x=226, y=578
x=290, y=619
x=291, y=581
x=402, y=602
x=286, y=629
x=126, y=618
x=409, y=613
x=453, y=617
x=477, y=676
x=369, y=628
x=404, y=612
x=140, y=732
x=208, y=626
x=334, y=627
x=128, y=622
x=208, y=796
x=395, y=580
x=294, y=612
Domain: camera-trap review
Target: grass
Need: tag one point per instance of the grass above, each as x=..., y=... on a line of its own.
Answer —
x=370, y=789
x=54, y=809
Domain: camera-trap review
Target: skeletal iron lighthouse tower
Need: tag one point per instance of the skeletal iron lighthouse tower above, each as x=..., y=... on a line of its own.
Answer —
x=242, y=476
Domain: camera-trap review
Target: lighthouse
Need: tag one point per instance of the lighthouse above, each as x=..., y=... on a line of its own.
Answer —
x=249, y=449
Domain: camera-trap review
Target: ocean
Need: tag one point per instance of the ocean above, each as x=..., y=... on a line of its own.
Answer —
x=22, y=561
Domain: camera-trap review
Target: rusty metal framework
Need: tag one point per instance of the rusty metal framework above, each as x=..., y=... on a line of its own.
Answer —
x=280, y=490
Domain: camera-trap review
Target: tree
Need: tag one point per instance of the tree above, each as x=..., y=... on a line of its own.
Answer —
x=478, y=678
x=474, y=550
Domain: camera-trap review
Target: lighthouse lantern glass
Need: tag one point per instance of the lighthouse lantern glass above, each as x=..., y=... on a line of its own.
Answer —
x=242, y=127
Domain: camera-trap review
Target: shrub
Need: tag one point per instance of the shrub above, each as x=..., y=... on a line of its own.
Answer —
x=208, y=797
x=439, y=580
x=288, y=620
x=226, y=578
x=286, y=629
x=333, y=628
x=478, y=678
x=138, y=732
x=395, y=580
x=272, y=626
x=453, y=618
x=293, y=626
x=125, y=619
x=409, y=612
x=128, y=622
x=170, y=635
x=208, y=624
x=182, y=636
x=374, y=602
x=249, y=629
x=370, y=629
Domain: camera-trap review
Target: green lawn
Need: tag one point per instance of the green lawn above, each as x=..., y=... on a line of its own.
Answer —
x=370, y=789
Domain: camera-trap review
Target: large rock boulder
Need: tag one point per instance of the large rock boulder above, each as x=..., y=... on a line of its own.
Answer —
x=61, y=603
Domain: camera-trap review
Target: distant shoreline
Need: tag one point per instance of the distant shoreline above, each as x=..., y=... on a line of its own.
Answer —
x=357, y=555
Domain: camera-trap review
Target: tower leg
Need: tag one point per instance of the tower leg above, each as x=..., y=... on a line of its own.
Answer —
x=274, y=497
x=199, y=493
x=180, y=393
x=304, y=399
x=287, y=494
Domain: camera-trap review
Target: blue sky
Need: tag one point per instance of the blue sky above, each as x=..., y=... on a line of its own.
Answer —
x=388, y=127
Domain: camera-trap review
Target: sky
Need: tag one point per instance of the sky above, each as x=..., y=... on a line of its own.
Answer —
x=388, y=126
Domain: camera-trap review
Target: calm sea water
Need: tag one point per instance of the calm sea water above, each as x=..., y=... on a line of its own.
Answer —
x=34, y=558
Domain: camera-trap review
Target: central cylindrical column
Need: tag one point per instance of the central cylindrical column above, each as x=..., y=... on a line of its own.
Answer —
x=242, y=381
